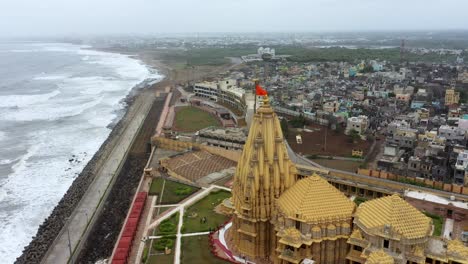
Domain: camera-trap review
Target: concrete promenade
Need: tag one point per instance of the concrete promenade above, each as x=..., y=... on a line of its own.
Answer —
x=88, y=209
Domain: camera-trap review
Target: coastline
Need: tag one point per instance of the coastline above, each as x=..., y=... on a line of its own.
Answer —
x=52, y=225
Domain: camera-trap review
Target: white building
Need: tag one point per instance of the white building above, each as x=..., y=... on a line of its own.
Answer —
x=452, y=133
x=224, y=92
x=461, y=168
x=359, y=123
x=263, y=50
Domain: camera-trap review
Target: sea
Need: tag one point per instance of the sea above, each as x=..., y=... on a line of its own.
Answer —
x=58, y=103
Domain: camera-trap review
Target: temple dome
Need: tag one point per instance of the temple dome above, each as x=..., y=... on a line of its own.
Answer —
x=379, y=257
x=393, y=216
x=313, y=199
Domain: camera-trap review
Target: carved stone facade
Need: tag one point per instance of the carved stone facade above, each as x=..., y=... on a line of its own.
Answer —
x=267, y=224
x=283, y=217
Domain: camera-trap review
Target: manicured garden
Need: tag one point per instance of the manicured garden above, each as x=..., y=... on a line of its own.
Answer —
x=154, y=252
x=200, y=217
x=191, y=119
x=196, y=249
x=174, y=192
x=168, y=226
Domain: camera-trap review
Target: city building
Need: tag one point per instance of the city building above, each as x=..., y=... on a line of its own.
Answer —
x=451, y=97
x=460, y=174
x=452, y=133
x=331, y=107
x=228, y=138
x=223, y=92
x=359, y=124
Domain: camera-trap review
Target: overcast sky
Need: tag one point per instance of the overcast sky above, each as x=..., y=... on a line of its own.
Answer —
x=65, y=17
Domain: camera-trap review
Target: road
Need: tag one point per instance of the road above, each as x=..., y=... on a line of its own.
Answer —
x=70, y=235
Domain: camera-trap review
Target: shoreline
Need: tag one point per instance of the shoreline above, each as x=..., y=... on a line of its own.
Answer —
x=50, y=228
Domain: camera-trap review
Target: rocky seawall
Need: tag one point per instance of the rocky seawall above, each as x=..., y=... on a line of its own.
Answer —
x=50, y=228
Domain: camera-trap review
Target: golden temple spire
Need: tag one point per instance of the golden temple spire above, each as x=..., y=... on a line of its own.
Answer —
x=263, y=173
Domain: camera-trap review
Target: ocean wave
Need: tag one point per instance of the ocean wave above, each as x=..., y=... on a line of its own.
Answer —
x=49, y=112
x=50, y=77
x=22, y=100
x=37, y=183
x=84, y=103
x=24, y=50
x=6, y=162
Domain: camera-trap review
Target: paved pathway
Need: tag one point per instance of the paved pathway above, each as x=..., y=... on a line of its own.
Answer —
x=448, y=228
x=180, y=208
x=70, y=235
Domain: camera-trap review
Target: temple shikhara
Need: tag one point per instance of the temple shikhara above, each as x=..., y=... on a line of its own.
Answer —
x=281, y=216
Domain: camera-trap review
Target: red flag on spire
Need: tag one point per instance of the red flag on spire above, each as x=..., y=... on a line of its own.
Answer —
x=259, y=90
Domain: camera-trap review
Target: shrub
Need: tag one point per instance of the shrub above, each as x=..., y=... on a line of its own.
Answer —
x=359, y=200
x=163, y=243
x=167, y=227
x=438, y=221
x=183, y=190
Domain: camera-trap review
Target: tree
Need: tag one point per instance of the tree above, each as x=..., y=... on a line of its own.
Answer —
x=298, y=122
x=285, y=127
x=354, y=135
x=368, y=68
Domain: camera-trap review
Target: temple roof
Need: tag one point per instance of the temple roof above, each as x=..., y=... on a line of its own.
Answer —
x=314, y=199
x=457, y=250
x=379, y=257
x=264, y=170
x=397, y=214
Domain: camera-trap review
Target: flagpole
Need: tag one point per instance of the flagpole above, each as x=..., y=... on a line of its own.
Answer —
x=255, y=94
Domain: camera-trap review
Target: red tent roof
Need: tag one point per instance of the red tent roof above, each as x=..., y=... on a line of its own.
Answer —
x=125, y=242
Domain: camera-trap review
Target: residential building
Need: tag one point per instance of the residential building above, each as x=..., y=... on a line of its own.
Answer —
x=359, y=124
x=451, y=97
x=452, y=133
x=331, y=107
x=223, y=92
x=461, y=168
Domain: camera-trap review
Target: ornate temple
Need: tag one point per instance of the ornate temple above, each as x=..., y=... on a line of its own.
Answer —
x=281, y=217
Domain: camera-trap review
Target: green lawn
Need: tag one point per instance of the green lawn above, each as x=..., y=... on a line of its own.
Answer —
x=154, y=256
x=174, y=192
x=191, y=119
x=168, y=226
x=159, y=259
x=204, y=208
x=195, y=249
x=437, y=221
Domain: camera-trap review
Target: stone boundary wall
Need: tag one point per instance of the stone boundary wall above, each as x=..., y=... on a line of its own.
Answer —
x=429, y=183
x=176, y=145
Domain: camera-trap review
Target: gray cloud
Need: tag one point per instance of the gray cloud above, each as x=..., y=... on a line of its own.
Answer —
x=46, y=17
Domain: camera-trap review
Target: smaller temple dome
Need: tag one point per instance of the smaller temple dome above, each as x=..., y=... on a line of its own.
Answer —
x=393, y=215
x=380, y=257
x=313, y=199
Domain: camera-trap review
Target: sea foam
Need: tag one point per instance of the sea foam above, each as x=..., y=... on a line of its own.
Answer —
x=68, y=125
